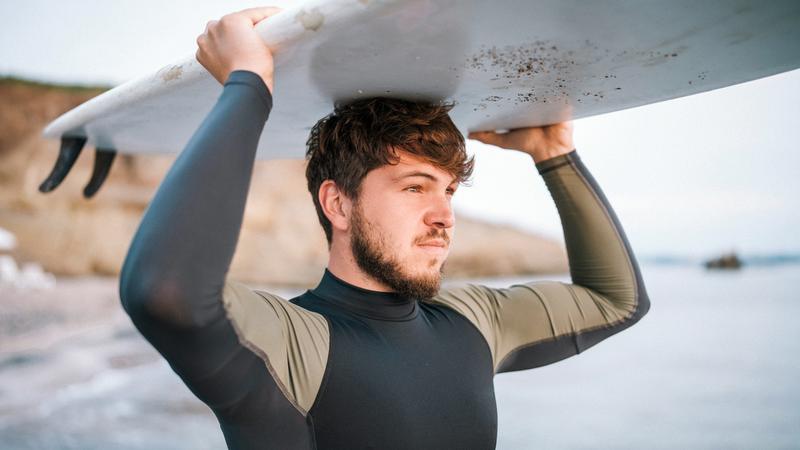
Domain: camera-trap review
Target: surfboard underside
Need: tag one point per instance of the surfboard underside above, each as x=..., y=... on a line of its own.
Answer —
x=505, y=64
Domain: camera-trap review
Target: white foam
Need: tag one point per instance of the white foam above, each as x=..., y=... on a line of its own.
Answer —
x=7, y=240
x=27, y=277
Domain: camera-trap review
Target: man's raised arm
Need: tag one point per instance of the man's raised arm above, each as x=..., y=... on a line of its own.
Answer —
x=538, y=323
x=250, y=356
x=173, y=277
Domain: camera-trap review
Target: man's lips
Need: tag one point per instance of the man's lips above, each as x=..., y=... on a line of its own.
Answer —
x=434, y=243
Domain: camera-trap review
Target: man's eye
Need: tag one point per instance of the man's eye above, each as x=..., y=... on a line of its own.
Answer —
x=415, y=188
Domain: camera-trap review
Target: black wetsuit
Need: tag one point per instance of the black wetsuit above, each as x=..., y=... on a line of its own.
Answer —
x=341, y=367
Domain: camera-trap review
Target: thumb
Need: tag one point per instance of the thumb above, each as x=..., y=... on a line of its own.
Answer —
x=489, y=137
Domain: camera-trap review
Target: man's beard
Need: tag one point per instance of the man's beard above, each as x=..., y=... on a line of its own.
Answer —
x=372, y=257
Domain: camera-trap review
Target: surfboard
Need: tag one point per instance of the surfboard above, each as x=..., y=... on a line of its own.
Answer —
x=505, y=64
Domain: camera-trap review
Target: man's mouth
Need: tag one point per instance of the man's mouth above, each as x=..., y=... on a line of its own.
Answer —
x=435, y=246
x=434, y=243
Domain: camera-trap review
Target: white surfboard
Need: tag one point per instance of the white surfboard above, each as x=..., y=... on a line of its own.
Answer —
x=505, y=64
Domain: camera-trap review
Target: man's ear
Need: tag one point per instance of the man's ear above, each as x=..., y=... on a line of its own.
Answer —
x=335, y=205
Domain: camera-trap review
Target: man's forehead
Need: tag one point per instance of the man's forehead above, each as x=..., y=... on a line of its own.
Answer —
x=410, y=166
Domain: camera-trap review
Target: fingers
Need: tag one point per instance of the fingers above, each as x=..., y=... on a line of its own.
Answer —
x=256, y=15
x=201, y=39
x=488, y=137
x=232, y=43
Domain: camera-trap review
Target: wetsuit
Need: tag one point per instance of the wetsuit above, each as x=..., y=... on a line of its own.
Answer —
x=341, y=367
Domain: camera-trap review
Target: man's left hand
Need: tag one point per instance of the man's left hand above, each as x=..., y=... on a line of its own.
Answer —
x=542, y=143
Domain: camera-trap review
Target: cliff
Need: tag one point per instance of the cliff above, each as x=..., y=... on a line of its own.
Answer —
x=281, y=240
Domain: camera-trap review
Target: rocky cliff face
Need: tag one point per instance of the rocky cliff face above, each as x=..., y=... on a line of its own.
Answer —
x=281, y=240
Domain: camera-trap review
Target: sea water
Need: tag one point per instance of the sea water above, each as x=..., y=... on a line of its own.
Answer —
x=715, y=364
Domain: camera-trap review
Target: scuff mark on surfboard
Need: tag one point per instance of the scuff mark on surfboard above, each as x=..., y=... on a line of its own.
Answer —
x=171, y=73
x=543, y=73
x=311, y=20
x=520, y=61
x=656, y=57
x=508, y=66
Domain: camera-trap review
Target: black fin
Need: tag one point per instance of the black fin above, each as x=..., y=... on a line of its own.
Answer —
x=70, y=149
x=103, y=158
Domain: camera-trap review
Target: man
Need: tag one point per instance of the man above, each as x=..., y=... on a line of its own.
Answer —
x=376, y=356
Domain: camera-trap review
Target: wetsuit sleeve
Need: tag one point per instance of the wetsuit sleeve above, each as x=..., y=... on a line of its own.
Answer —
x=533, y=324
x=218, y=335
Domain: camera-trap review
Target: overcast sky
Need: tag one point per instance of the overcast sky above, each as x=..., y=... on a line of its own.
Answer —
x=697, y=175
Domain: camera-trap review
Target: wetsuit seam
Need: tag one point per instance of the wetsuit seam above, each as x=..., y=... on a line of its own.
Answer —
x=533, y=344
x=572, y=334
x=312, y=433
x=572, y=294
x=554, y=167
x=540, y=341
x=323, y=386
x=265, y=358
x=561, y=336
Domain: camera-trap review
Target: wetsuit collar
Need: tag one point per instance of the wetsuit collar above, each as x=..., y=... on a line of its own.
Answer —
x=365, y=302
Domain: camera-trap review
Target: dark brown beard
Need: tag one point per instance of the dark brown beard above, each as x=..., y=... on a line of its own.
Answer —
x=371, y=257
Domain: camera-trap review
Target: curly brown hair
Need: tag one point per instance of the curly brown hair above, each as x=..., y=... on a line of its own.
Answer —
x=364, y=135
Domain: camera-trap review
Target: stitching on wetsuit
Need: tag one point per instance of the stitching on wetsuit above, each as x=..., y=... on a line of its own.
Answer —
x=575, y=299
x=560, y=336
x=323, y=385
x=561, y=164
x=263, y=356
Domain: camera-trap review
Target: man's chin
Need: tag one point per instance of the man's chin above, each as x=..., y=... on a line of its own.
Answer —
x=426, y=281
x=421, y=288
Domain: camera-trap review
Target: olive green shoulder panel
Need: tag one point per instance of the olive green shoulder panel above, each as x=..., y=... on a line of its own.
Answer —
x=293, y=342
x=524, y=315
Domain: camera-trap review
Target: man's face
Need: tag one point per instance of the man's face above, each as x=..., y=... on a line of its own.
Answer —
x=402, y=225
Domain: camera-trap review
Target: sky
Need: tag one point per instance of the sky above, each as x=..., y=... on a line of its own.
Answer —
x=694, y=176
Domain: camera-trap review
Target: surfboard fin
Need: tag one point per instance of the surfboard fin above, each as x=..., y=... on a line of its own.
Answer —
x=70, y=149
x=103, y=158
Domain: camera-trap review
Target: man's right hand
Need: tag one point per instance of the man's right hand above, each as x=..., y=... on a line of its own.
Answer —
x=232, y=43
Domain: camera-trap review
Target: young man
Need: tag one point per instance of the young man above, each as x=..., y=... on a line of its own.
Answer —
x=376, y=356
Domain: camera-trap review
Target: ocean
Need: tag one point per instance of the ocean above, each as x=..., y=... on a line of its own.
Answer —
x=714, y=365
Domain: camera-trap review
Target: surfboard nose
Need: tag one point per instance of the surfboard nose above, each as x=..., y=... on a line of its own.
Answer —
x=68, y=153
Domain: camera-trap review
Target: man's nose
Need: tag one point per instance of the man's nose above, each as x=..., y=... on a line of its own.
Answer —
x=441, y=214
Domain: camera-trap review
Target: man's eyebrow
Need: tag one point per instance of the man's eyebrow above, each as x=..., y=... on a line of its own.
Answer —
x=420, y=174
